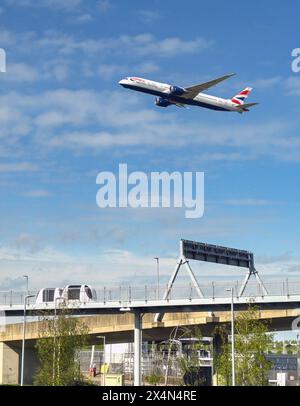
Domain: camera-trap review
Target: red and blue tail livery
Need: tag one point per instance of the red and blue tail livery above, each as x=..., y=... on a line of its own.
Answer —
x=242, y=96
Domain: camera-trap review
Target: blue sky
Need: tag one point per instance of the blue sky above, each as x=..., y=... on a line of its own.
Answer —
x=64, y=119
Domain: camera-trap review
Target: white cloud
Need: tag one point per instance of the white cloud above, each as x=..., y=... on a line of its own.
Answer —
x=148, y=130
x=226, y=156
x=148, y=67
x=149, y=16
x=104, y=5
x=59, y=48
x=66, y=5
x=286, y=268
x=265, y=83
x=7, y=38
x=249, y=202
x=292, y=85
x=81, y=19
x=108, y=71
x=50, y=267
x=140, y=45
x=37, y=193
x=60, y=72
x=18, y=167
x=23, y=255
x=73, y=112
x=20, y=72
x=169, y=47
x=47, y=266
x=27, y=242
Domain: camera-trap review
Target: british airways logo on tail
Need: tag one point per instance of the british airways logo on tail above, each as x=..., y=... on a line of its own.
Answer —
x=242, y=96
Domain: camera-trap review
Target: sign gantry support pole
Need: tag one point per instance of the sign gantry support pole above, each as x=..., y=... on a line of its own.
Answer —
x=252, y=271
x=181, y=261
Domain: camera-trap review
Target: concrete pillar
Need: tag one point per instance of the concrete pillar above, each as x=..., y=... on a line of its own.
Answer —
x=9, y=365
x=31, y=364
x=137, y=349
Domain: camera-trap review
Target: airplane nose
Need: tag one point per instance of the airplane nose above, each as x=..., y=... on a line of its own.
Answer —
x=121, y=82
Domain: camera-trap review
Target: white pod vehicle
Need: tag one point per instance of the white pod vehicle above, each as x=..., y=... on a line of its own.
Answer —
x=80, y=293
x=49, y=295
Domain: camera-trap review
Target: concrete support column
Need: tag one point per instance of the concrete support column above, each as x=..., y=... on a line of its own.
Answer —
x=9, y=365
x=137, y=348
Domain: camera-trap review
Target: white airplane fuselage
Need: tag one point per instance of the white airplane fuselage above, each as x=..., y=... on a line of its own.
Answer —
x=163, y=90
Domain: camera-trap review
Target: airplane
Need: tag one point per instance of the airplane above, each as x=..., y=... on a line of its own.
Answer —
x=168, y=95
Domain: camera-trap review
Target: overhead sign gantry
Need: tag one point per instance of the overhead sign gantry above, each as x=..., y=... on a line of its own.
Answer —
x=198, y=251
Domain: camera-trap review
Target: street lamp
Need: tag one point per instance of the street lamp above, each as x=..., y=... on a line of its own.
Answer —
x=26, y=277
x=54, y=344
x=23, y=340
x=104, y=359
x=157, y=269
x=232, y=338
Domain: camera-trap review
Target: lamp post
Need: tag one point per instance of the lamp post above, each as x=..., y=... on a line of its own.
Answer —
x=54, y=343
x=23, y=340
x=104, y=366
x=232, y=338
x=157, y=270
x=26, y=277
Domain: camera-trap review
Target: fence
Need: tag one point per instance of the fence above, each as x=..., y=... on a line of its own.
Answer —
x=216, y=289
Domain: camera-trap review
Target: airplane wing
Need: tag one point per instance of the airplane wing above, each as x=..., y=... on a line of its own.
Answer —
x=192, y=91
x=180, y=105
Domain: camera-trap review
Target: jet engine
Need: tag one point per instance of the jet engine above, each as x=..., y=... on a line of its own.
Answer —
x=160, y=102
x=176, y=90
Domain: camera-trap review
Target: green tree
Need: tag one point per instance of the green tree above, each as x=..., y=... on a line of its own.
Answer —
x=60, y=339
x=222, y=354
x=251, y=345
x=153, y=379
x=189, y=362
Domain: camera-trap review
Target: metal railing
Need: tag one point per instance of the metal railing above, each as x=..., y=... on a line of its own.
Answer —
x=212, y=290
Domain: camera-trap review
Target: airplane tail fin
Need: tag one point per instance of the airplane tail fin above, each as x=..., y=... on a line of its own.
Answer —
x=240, y=98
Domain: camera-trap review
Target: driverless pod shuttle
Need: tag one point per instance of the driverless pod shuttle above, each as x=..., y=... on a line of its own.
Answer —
x=81, y=293
x=168, y=95
x=47, y=295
